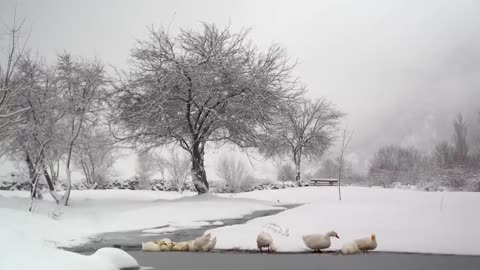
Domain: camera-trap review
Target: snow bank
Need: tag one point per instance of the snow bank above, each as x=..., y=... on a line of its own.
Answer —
x=116, y=210
x=403, y=220
x=185, y=212
x=20, y=252
x=91, y=212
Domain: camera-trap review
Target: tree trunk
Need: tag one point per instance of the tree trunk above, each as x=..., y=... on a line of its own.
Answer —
x=33, y=193
x=340, y=170
x=33, y=177
x=49, y=180
x=51, y=187
x=199, y=176
x=66, y=195
x=297, y=160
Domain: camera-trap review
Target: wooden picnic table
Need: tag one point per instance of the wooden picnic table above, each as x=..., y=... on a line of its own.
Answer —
x=324, y=181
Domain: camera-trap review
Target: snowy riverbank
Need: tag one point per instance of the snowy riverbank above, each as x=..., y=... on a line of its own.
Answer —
x=404, y=220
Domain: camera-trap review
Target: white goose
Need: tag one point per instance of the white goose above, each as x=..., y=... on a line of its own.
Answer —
x=180, y=246
x=210, y=245
x=318, y=242
x=366, y=244
x=199, y=243
x=150, y=246
x=350, y=248
x=265, y=240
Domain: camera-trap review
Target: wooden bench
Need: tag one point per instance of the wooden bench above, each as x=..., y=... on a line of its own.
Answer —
x=323, y=182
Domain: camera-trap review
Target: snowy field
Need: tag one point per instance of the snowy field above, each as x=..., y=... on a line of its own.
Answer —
x=403, y=220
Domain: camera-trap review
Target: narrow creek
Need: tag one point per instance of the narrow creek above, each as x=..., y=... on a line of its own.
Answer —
x=132, y=240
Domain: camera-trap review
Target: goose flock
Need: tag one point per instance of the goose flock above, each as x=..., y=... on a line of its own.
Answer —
x=203, y=243
x=318, y=242
x=315, y=242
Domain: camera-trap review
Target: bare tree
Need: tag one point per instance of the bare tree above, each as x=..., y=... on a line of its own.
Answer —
x=460, y=140
x=202, y=86
x=34, y=136
x=145, y=168
x=444, y=155
x=10, y=82
x=396, y=164
x=177, y=167
x=62, y=101
x=233, y=171
x=346, y=138
x=303, y=129
x=96, y=155
x=81, y=83
x=285, y=173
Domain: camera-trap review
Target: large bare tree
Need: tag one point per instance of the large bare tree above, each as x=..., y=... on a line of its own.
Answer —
x=200, y=86
x=304, y=128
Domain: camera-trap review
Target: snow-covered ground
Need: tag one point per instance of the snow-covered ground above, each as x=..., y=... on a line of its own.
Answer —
x=93, y=212
x=403, y=220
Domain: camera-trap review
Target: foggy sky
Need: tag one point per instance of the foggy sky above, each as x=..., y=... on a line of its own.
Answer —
x=401, y=70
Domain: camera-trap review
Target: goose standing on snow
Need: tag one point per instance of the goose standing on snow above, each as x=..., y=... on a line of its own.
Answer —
x=265, y=240
x=366, y=244
x=210, y=245
x=318, y=242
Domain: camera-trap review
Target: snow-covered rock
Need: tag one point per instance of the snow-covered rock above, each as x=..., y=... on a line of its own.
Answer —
x=117, y=258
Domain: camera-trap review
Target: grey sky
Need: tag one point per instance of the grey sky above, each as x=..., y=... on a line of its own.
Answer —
x=400, y=69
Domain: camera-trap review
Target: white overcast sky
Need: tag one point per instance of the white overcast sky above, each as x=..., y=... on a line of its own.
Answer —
x=400, y=69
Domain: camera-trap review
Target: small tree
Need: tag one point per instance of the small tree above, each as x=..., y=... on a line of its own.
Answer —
x=286, y=173
x=233, y=171
x=209, y=85
x=96, y=154
x=346, y=137
x=460, y=140
x=145, y=168
x=177, y=167
x=303, y=129
x=444, y=155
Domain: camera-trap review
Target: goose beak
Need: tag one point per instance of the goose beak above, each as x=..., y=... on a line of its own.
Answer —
x=337, y=237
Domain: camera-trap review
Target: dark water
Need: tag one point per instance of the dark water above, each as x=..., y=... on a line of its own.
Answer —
x=246, y=261
x=132, y=240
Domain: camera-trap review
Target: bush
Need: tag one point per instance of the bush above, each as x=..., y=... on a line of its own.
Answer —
x=396, y=164
x=234, y=173
x=286, y=173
